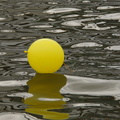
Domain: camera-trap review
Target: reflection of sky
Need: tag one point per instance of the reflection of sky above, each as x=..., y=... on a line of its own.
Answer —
x=39, y=93
x=75, y=85
x=91, y=86
x=16, y=116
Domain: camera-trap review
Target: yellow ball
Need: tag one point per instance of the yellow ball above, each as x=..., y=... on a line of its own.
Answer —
x=45, y=56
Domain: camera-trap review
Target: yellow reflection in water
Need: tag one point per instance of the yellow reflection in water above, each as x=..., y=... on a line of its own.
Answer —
x=45, y=89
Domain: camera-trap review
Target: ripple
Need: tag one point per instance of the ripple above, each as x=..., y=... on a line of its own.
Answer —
x=111, y=16
x=22, y=95
x=7, y=31
x=21, y=14
x=85, y=104
x=95, y=27
x=49, y=99
x=91, y=86
x=32, y=74
x=2, y=19
x=86, y=1
x=21, y=73
x=107, y=7
x=117, y=47
x=28, y=38
x=102, y=22
x=86, y=44
x=68, y=16
x=53, y=3
x=28, y=95
x=41, y=26
x=111, y=67
x=77, y=22
x=90, y=15
x=88, y=11
x=73, y=23
x=13, y=43
x=51, y=19
x=116, y=34
x=12, y=83
x=3, y=53
x=115, y=67
x=19, y=59
x=61, y=10
x=16, y=116
x=56, y=31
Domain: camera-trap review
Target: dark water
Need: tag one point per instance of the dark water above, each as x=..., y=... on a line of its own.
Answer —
x=89, y=32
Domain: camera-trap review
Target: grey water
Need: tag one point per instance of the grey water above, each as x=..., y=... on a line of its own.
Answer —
x=89, y=32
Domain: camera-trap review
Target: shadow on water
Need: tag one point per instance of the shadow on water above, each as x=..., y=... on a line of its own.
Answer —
x=45, y=89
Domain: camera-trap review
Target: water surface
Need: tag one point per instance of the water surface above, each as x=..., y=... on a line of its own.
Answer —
x=88, y=31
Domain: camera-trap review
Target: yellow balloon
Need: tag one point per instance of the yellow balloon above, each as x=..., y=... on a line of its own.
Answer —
x=45, y=56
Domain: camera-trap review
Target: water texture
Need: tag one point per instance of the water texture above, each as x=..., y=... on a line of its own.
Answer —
x=89, y=32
